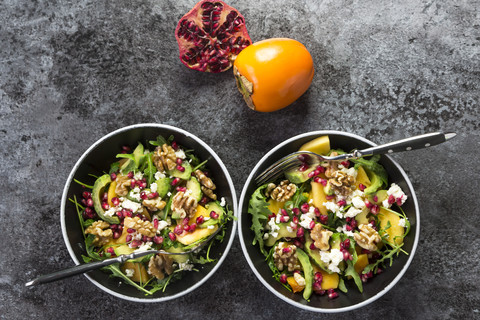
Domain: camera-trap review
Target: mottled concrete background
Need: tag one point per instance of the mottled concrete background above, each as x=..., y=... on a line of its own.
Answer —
x=72, y=71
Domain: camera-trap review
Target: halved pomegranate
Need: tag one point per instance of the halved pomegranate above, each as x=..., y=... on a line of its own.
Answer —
x=211, y=36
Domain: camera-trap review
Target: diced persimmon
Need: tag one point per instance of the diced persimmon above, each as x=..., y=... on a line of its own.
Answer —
x=201, y=211
x=395, y=230
x=362, y=178
x=361, y=263
x=330, y=281
x=320, y=145
x=111, y=192
x=274, y=206
x=187, y=238
x=319, y=197
x=140, y=273
x=295, y=286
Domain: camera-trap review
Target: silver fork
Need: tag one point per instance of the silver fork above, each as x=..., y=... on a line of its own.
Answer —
x=83, y=268
x=299, y=158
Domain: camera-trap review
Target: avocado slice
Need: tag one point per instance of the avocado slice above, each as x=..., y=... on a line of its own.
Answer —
x=213, y=206
x=315, y=254
x=163, y=186
x=375, y=180
x=196, y=190
x=380, y=194
x=282, y=233
x=185, y=175
x=307, y=272
x=98, y=188
x=297, y=176
x=130, y=164
x=177, y=257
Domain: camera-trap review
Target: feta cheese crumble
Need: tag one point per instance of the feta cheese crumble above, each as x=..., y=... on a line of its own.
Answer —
x=273, y=228
x=333, y=207
x=159, y=175
x=144, y=247
x=402, y=222
x=131, y=205
x=129, y=272
x=222, y=202
x=332, y=258
x=153, y=187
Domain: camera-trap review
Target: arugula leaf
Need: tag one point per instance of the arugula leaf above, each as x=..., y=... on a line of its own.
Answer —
x=116, y=272
x=350, y=271
x=341, y=285
x=83, y=184
x=150, y=169
x=275, y=271
x=114, y=167
x=373, y=165
x=258, y=208
x=159, y=142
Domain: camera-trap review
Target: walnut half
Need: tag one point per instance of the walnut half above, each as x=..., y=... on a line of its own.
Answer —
x=321, y=237
x=164, y=158
x=283, y=192
x=146, y=228
x=367, y=238
x=159, y=264
x=102, y=234
x=285, y=255
x=207, y=184
x=184, y=205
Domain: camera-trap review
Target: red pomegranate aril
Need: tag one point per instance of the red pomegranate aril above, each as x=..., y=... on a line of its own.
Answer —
x=330, y=197
x=332, y=294
x=89, y=202
x=128, y=238
x=345, y=163
x=130, y=175
x=175, y=181
x=368, y=204
x=126, y=149
x=110, y=250
x=298, y=243
x=321, y=169
x=127, y=213
x=346, y=243
x=303, y=167
x=180, y=168
x=312, y=174
x=204, y=200
x=375, y=209
x=181, y=189
x=391, y=199
x=348, y=227
x=284, y=212
x=115, y=201
x=158, y=239
x=213, y=215
x=152, y=195
x=105, y=206
x=104, y=196
x=296, y=211
x=186, y=228
x=185, y=221
x=317, y=179
x=179, y=161
x=295, y=220
x=347, y=255
x=342, y=203
x=193, y=226
x=305, y=207
x=317, y=288
x=375, y=198
x=317, y=212
x=88, y=210
x=318, y=277
x=399, y=200
x=120, y=215
x=300, y=232
x=146, y=239
x=113, y=176
x=86, y=194
x=114, y=227
x=135, y=243
x=284, y=219
x=178, y=229
x=116, y=235
x=312, y=246
x=286, y=249
x=323, y=219
x=379, y=270
x=353, y=223
x=174, y=145
x=155, y=223
x=131, y=230
x=283, y=278
x=172, y=236
x=362, y=187
x=200, y=219
x=312, y=224
x=303, y=157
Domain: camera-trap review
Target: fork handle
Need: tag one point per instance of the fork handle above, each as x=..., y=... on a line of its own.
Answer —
x=412, y=143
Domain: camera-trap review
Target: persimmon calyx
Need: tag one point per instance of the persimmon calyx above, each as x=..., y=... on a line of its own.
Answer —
x=245, y=87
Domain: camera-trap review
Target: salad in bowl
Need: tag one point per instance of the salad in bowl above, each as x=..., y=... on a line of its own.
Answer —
x=326, y=231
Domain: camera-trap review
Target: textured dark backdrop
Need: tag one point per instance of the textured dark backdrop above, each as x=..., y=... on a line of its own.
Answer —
x=72, y=71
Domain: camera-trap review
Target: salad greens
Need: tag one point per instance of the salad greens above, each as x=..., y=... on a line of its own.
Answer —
x=340, y=223
x=149, y=200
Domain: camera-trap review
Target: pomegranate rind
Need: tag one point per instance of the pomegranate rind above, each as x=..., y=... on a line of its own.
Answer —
x=210, y=36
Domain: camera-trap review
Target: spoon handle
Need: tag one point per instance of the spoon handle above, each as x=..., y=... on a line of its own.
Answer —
x=412, y=143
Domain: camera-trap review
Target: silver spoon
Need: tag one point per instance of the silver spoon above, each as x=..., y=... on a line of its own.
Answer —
x=82, y=268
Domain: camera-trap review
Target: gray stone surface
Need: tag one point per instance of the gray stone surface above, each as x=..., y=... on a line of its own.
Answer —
x=72, y=71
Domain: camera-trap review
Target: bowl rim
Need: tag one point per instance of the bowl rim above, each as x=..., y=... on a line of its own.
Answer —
x=160, y=126
x=278, y=294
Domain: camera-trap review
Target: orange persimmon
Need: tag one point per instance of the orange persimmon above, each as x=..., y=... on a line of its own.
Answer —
x=271, y=74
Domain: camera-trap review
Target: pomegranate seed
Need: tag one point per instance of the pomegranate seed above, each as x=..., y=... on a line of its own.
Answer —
x=133, y=184
x=323, y=182
x=368, y=204
x=353, y=223
x=175, y=181
x=375, y=198
x=317, y=179
x=379, y=271
x=298, y=243
x=391, y=199
x=284, y=212
x=131, y=230
x=200, y=220
x=158, y=239
x=89, y=202
x=114, y=226
x=295, y=220
x=347, y=255
x=179, y=161
x=332, y=294
x=374, y=209
x=300, y=232
x=152, y=195
x=346, y=243
x=174, y=145
x=316, y=172
x=83, y=201
x=204, y=200
x=399, y=200
x=348, y=227
x=181, y=189
x=116, y=235
x=312, y=224
x=342, y=203
x=362, y=187
x=135, y=243
x=178, y=229
x=128, y=238
x=283, y=278
x=105, y=206
x=317, y=288
x=110, y=250
x=155, y=223
x=180, y=168
x=318, y=277
x=286, y=250
x=312, y=174
x=130, y=175
x=345, y=163
x=284, y=219
x=185, y=221
x=330, y=197
x=126, y=149
x=303, y=157
x=115, y=201
x=193, y=226
x=120, y=215
x=105, y=196
x=321, y=169
x=172, y=236
x=273, y=215
x=365, y=251
x=113, y=176
x=146, y=239
x=296, y=271
x=88, y=210
x=86, y=194
x=186, y=228
x=214, y=215
x=369, y=274
x=312, y=246
x=296, y=211
x=305, y=207
x=303, y=167
x=127, y=213
x=323, y=219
